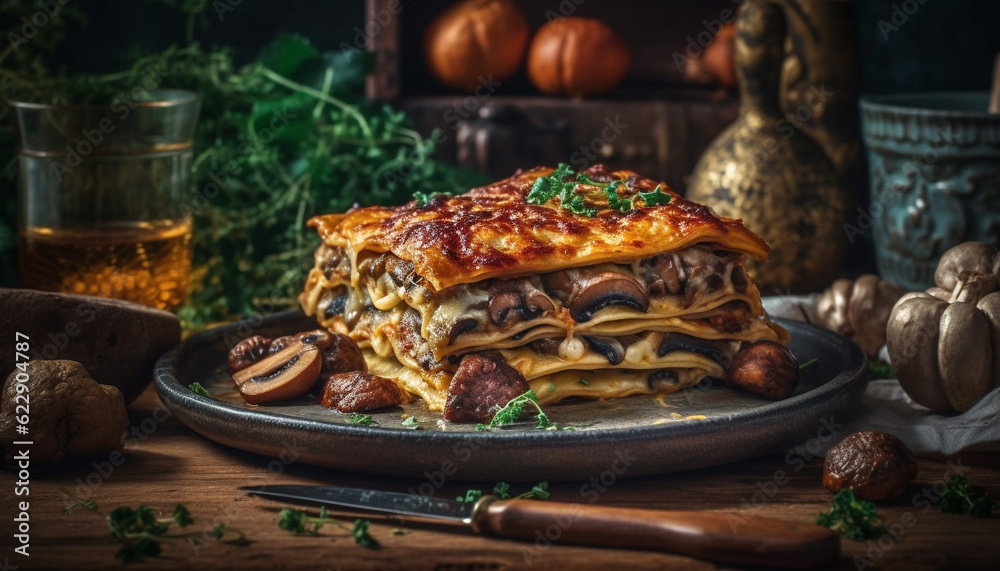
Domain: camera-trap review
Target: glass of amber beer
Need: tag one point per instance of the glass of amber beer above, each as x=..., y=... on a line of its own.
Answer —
x=101, y=197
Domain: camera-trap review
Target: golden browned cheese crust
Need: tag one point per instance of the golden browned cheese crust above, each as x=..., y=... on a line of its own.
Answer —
x=493, y=232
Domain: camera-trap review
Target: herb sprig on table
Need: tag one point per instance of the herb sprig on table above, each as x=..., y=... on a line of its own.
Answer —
x=280, y=139
x=961, y=498
x=539, y=491
x=300, y=523
x=851, y=517
x=141, y=532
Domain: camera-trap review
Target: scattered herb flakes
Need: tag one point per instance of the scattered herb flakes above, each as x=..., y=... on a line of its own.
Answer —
x=361, y=535
x=514, y=409
x=962, y=499
x=502, y=490
x=197, y=389
x=852, y=517
x=878, y=369
x=399, y=531
x=141, y=532
x=539, y=491
x=423, y=199
x=363, y=420
x=90, y=504
x=470, y=497
x=809, y=363
x=301, y=523
x=411, y=422
x=584, y=382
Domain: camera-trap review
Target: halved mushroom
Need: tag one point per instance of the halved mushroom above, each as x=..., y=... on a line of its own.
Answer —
x=681, y=342
x=664, y=274
x=285, y=375
x=461, y=326
x=665, y=377
x=606, y=289
x=516, y=300
x=504, y=306
x=610, y=347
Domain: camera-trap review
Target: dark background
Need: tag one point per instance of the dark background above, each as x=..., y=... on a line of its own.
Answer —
x=942, y=45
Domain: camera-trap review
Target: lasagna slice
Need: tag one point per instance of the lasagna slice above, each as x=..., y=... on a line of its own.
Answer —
x=609, y=298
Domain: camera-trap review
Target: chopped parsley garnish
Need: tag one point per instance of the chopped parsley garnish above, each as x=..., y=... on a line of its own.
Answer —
x=299, y=523
x=502, y=490
x=411, y=422
x=554, y=186
x=539, y=491
x=852, y=517
x=880, y=370
x=140, y=532
x=423, y=198
x=363, y=419
x=197, y=389
x=961, y=498
x=584, y=382
x=361, y=535
x=514, y=409
x=90, y=504
x=470, y=497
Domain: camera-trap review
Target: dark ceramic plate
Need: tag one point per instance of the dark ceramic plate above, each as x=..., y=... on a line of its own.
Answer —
x=703, y=426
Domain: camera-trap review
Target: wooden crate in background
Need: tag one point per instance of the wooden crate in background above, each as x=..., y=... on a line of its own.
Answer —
x=654, y=123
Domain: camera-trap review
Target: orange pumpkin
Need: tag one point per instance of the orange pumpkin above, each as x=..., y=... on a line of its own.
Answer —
x=577, y=56
x=476, y=41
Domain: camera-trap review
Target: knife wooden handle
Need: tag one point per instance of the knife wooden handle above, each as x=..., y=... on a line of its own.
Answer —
x=713, y=536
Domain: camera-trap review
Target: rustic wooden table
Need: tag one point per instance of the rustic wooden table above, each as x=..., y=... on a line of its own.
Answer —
x=165, y=463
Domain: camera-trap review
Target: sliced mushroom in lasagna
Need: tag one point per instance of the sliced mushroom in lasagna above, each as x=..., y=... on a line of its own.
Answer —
x=594, y=289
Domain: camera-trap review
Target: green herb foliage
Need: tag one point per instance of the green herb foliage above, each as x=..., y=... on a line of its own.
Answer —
x=880, y=370
x=300, y=523
x=852, y=517
x=280, y=139
x=361, y=535
x=555, y=186
x=411, y=422
x=470, y=497
x=424, y=199
x=961, y=498
x=197, y=389
x=514, y=409
x=363, y=419
x=140, y=532
x=539, y=491
x=75, y=502
x=809, y=363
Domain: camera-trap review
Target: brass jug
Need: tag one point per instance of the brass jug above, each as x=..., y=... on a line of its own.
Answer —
x=770, y=173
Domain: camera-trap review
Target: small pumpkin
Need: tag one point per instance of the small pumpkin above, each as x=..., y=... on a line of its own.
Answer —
x=859, y=309
x=476, y=41
x=944, y=343
x=716, y=65
x=577, y=56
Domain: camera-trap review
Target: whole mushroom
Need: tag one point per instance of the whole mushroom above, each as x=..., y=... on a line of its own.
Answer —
x=859, y=310
x=944, y=343
x=877, y=466
x=71, y=414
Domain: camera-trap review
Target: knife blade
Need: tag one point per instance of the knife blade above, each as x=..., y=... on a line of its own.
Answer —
x=713, y=536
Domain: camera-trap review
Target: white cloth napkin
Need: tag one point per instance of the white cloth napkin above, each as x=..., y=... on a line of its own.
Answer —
x=886, y=407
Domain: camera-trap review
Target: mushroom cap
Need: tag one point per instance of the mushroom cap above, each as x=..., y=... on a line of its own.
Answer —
x=978, y=257
x=912, y=341
x=965, y=355
x=71, y=414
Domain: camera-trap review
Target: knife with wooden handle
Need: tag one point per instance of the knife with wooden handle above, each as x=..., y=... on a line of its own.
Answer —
x=707, y=535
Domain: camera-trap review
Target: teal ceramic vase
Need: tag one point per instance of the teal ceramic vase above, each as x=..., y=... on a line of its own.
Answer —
x=934, y=161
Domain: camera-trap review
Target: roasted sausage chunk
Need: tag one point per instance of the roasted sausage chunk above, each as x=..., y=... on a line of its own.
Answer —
x=360, y=392
x=482, y=384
